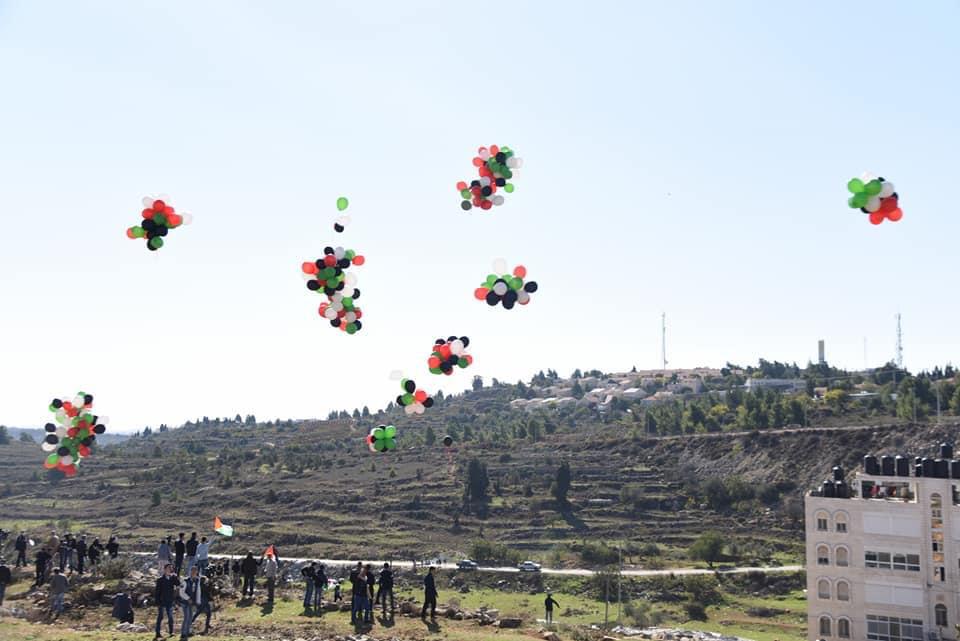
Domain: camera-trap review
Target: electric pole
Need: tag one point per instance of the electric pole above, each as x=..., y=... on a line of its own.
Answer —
x=663, y=339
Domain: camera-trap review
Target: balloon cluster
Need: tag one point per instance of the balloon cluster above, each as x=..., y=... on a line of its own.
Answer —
x=496, y=166
x=76, y=429
x=506, y=289
x=875, y=197
x=448, y=354
x=328, y=276
x=413, y=400
x=158, y=219
x=341, y=223
x=382, y=438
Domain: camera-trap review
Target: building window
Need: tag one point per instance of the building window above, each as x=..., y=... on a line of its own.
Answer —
x=843, y=591
x=823, y=555
x=842, y=528
x=940, y=611
x=881, y=628
x=823, y=589
x=822, y=522
x=843, y=557
x=843, y=628
x=891, y=561
x=936, y=512
x=825, y=626
x=840, y=523
x=909, y=562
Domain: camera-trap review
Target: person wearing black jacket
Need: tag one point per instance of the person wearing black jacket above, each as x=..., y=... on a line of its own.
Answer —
x=43, y=558
x=122, y=607
x=80, y=547
x=386, y=587
x=358, y=591
x=206, y=602
x=309, y=574
x=180, y=548
x=5, y=579
x=191, y=548
x=165, y=596
x=248, y=568
x=319, y=585
x=113, y=547
x=429, y=595
x=94, y=552
x=20, y=545
x=548, y=604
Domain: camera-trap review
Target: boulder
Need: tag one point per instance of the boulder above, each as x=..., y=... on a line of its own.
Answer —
x=510, y=622
x=550, y=636
x=408, y=608
x=17, y=613
x=137, y=628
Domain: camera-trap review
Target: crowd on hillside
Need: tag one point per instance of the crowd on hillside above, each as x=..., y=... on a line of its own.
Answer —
x=186, y=572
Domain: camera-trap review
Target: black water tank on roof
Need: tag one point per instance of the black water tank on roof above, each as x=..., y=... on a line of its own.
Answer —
x=929, y=467
x=840, y=487
x=887, y=466
x=918, y=470
x=955, y=469
x=946, y=451
x=903, y=466
x=837, y=473
x=870, y=465
x=829, y=490
x=943, y=468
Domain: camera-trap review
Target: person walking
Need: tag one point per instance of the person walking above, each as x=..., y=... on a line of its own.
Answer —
x=163, y=554
x=192, y=551
x=113, y=547
x=6, y=578
x=58, y=588
x=64, y=551
x=429, y=595
x=53, y=544
x=179, y=550
x=20, y=545
x=189, y=601
x=385, y=588
x=235, y=572
x=548, y=606
x=309, y=574
x=43, y=558
x=95, y=553
x=203, y=555
x=249, y=571
x=358, y=585
x=122, y=607
x=206, y=603
x=270, y=569
x=165, y=596
x=319, y=585
x=80, y=547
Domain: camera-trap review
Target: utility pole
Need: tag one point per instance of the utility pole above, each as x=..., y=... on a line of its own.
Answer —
x=663, y=339
x=606, y=600
x=899, y=344
x=619, y=576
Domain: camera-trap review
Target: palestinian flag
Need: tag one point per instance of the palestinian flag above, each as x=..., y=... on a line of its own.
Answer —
x=220, y=528
x=270, y=552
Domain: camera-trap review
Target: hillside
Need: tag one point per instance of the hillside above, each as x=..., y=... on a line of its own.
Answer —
x=313, y=488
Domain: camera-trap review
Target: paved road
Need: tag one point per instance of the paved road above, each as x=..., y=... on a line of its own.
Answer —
x=557, y=571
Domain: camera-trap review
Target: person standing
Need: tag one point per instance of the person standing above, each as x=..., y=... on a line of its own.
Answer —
x=319, y=585
x=58, y=588
x=65, y=551
x=429, y=595
x=192, y=551
x=270, y=571
x=5, y=579
x=248, y=568
x=235, y=572
x=113, y=547
x=179, y=549
x=206, y=603
x=53, y=544
x=358, y=589
x=371, y=583
x=163, y=554
x=386, y=587
x=548, y=606
x=43, y=558
x=203, y=555
x=94, y=553
x=337, y=591
x=20, y=545
x=189, y=601
x=165, y=596
x=308, y=573
x=80, y=547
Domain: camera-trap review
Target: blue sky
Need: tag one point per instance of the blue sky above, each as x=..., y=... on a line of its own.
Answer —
x=684, y=157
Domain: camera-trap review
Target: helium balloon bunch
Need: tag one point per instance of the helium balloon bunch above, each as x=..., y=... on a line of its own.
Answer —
x=76, y=429
x=448, y=354
x=506, y=289
x=875, y=197
x=341, y=223
x=382, y=438
x=496, y=166
x=328, y=276
x=158, y=219
x=413, y=400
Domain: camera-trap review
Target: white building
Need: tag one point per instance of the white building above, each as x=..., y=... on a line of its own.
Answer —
x=884, y=564
x=789, y=385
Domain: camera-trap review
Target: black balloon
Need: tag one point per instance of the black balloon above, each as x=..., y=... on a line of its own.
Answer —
x=52, y=439
x=87, y=399
x=100, y=429
x=57, y=403
x=410, y=387
x=466, y=205
x=313, y=285
x=530, y=287
x=492, y=298
x=428, y=402
x=50, y=427
x=63, y=450
x=465, y=341
x=448, y=440
x=337, y=227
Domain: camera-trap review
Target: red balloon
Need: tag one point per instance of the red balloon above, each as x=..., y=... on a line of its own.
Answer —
x=329, y=260
x=420, y=396
x=494, y=150
x=480, y=293
x=461, y=186
x=130, y=232
x=469, y=359
x=876, y=217
x=520, y=271
x=433, y=362
x=147, y=213
x=444, y=351
x=356, y=310
x=477, y=161
x=83, y=450
x=359, y=260
x=158, y=205
x=895, y=215
x=175, y=220
x=309, y=268
x=70, y=470
x=486, y=204
x=888, y=204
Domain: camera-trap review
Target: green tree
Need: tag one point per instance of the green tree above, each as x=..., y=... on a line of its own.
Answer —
x=477, y=383
x=155, y=500
x=26, y=438
x=429, y=436
x=477, y=481
x=708, y=547
x=576, y=391
x=561, y=486
x=4, y=435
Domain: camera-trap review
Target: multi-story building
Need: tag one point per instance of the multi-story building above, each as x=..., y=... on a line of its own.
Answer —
x=883, y=552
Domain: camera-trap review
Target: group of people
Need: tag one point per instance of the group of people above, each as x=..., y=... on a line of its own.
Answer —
x=61, y=554
x=192, y=595
x=368, y=589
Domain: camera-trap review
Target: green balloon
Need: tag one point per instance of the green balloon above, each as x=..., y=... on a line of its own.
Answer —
x=349, y=254
x=873, y=188
x=407, y=399
x=156, y=242
x=436, y=370
x=52, y=459
x=347, y=302
x=391, y=444
x=465, y=194
x=390, y=431
x=342, y=203
x=462, y=362
x=138, y=232
x=491, y=280
x=860, y=200
x=378, y=432
x=351, y=329
x=160, y=218
x=855, y=185
x=508, y=188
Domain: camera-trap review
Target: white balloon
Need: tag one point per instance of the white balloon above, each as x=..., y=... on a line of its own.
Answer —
x=339, y=252
x=512, y=162
x=148, y=201
x=48, y=447
x=500, y=289
x=330, y=313
x=419, y=408
x=61, y=415
x=456, y=347
x=500, y=266
x=66, y=460
x=519, y=162
x=409, y=409
x=103, y=420
x=350, y=280
x=78, y=401
x=523, y=297
x=485, y=181
x=350, y=317
x=498, y=200
x=165, y=198
x=887, y=189
x=343, y=220
x=187, y=218
x=484, y=153
x=873, y=203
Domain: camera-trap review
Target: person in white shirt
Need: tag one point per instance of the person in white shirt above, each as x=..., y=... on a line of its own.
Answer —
x=270, y=569
x=203, y=555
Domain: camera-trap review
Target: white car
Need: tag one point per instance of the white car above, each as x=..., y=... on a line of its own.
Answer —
x=529, y=566
x=467, y=564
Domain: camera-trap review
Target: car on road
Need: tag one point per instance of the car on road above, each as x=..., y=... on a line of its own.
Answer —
x=467, y=564
x=529, y=566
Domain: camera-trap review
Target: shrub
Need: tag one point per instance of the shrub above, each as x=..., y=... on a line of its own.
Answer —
x=695, y=611
x=116, y=569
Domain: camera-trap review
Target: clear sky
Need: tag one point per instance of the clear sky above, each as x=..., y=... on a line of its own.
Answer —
x=687, y=157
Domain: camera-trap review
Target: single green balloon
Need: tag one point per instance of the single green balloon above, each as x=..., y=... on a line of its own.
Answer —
x=156, y=242
x=860, y=200
x=349, y=254
x=462, y=362
x=508, y=188
x=342, y=203
x=855, y=186
x=160, y=218
x=390, y=431
x=52, y=459
x=491, y=280
x=873, y=188
x=407, y=399
x=391, y=444
x=351, y=329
